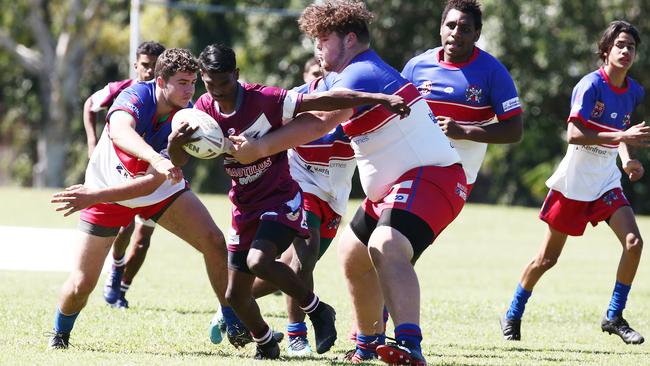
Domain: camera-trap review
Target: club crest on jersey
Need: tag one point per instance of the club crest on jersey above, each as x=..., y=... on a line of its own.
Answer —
x=626, y=120
x=121, y=171
x=426, y=87
x=473, y=94
x=598, y=110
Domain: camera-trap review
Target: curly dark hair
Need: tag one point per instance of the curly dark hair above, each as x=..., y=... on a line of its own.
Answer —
x=150, y=48
x=465, y=6
x=175, y=60
x=340, y=16
x=611, y=33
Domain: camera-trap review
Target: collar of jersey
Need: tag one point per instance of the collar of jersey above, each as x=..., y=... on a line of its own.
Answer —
x=451, y=65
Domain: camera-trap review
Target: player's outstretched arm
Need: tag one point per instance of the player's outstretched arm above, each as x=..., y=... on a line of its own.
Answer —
x=507, y=131
x=637, y=135
x=342, y=99
x=78, y=197
x=304, y=128
x=124, y=136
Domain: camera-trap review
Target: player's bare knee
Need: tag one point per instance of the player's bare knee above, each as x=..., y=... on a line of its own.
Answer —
x=258, y=264
x=233, y=297
x=633, y=244
x=213, y=241
x=80, y=286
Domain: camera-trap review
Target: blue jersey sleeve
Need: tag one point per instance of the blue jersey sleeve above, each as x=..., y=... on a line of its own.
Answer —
x=583, y=100
x=303, y=89
x=503, y=93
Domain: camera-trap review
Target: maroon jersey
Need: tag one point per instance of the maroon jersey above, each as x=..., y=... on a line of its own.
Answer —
x=102, y=99
x=261, y=109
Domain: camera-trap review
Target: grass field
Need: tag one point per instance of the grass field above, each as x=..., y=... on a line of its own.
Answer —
x=467, y=280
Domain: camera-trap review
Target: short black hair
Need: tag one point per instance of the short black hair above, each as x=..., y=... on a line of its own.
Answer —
x=217, y=58
x=465, y=6
x=150, y=48
x=611, y=33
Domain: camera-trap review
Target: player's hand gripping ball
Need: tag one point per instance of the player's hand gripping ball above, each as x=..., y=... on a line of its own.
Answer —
x=210, y=141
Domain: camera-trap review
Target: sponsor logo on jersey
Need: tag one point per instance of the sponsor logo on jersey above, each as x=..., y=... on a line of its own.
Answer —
x=122, y=171
x=448, y=90
x=473, y=94
x=511, y=104
x=614, y=115
x=426, y=87
x=231, y=131
x=461, y=191
x=598, y=110
x=397, y=198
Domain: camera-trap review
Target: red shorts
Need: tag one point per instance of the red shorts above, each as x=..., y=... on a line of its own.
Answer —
x=571, y=217
x=434, y=194
x=244, y=225
x=329, y=219
x=114, y=215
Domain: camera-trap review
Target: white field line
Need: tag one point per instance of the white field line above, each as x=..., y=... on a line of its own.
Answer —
x=39, y=249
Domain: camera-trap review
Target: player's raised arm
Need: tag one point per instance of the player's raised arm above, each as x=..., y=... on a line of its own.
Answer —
x=344, y=98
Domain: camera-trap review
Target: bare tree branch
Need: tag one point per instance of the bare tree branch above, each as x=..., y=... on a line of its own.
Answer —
x=31, y=60
x=41, y=31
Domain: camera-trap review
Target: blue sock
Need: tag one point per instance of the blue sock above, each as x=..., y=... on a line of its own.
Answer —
x=229, y=316
x=297, y=329
x=409, y=332
x=518, y=304
x=64, y=323
x=367, y=345
x=619, y=298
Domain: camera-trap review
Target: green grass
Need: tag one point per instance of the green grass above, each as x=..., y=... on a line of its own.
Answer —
x=467, y=280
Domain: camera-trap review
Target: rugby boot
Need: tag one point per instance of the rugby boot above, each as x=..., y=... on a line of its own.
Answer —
x=217, y=328
x=268, y=351
x=121, y=303
x=402, y=353
x=112, y=288
x=324, y=321
x=619, y=326
x=357, y=356
x=239, y=336
x=299, y=346
x=511, y=328
x=59, y=340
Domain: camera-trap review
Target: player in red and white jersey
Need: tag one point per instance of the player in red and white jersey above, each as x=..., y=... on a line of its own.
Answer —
x=586, y=187
x=127, y=175
x=411, y=174
x=267, y=204
x=124, y=267
x=469, y=91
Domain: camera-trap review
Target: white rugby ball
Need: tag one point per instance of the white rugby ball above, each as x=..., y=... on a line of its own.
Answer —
x=210, y=143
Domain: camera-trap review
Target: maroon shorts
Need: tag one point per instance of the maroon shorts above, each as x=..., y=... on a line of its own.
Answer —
x=571, y=217
x=434, y=194
x=244, y=224
x=329, y=219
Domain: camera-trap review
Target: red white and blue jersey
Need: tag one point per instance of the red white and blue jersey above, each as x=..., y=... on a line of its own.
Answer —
x=471, y=93
x=109, y=165
x=325, y=166
x=260, y=110
x=103, y=98
x=386, y=146
x=588, y=171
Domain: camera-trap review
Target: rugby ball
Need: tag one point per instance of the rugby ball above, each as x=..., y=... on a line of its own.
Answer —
x=210, y=143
